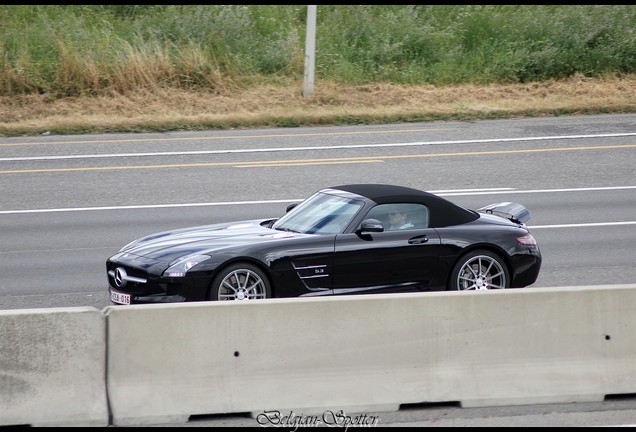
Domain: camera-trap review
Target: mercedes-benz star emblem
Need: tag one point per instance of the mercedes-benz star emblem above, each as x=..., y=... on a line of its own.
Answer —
x=120, y=277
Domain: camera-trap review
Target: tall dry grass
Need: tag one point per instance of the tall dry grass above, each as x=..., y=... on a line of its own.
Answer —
x=332, y=104
x=100, y=68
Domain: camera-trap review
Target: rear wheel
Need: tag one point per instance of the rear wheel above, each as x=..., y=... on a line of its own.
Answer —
x=479, y=270
x=241, y=281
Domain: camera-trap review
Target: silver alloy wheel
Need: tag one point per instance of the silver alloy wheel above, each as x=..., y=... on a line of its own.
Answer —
x=242, y=284
x=481, y=272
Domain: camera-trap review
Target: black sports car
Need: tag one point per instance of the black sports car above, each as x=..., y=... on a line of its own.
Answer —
x=351, y=239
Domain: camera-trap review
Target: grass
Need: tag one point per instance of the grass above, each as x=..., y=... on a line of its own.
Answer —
x=332, y=104
x=69, y=69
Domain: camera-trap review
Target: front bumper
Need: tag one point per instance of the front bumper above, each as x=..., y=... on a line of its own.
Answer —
x=116, y=299
x=143, y=286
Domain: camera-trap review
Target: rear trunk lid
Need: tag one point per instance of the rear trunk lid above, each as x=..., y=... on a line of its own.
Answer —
x=512, y=211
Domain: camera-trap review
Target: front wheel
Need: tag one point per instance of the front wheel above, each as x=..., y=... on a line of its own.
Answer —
x=242, y=281
x=479, y=270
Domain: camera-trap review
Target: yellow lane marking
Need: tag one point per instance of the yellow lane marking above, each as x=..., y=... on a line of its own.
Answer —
x=204, y=138
x=301, y=163
x=322, y=161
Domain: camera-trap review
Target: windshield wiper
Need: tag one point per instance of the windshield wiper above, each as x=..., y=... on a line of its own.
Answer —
x=287, y=230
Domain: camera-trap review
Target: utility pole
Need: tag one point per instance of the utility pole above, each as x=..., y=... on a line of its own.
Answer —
x=310, y=51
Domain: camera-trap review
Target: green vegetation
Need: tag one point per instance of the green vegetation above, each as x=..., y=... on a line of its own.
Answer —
x=141, y=68
x=85, y=50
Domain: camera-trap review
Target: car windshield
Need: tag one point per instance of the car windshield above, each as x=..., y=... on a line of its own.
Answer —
x=321, y=213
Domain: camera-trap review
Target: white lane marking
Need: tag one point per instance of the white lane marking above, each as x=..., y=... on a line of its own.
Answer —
x=457, y=192
x=451, y=193
x=476, y=191
x=332, y=147
x=147, y=206
x=534, y=227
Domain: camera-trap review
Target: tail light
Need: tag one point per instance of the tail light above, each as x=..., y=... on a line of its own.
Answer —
x=527, y=240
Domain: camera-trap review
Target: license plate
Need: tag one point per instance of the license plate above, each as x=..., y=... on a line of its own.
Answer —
x=120, y=298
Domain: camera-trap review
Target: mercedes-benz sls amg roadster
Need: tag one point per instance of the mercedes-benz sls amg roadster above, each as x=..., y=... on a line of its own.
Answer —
x=340, y=240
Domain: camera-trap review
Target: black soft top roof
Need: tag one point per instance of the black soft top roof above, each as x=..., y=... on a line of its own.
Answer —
x=442, y=212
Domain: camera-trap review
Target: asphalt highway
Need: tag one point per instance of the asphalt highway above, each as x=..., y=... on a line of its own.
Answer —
x=69, y=202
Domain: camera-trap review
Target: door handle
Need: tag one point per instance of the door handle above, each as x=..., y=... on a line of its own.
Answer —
x=418, y=240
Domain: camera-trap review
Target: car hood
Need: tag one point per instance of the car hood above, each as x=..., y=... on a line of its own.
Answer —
x=169, y=245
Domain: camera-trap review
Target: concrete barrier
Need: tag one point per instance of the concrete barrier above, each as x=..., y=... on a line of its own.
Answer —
x=52, y=367
x=370, y=353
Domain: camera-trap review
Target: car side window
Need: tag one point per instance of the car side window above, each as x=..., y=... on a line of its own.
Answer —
x=400, y=216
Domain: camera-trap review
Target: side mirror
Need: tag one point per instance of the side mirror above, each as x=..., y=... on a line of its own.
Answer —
x=371, y=225
x=291, y=206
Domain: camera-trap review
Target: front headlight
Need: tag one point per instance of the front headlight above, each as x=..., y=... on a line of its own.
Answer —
x=180, y=267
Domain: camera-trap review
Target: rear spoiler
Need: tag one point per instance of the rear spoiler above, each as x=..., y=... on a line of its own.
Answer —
x=514, y=212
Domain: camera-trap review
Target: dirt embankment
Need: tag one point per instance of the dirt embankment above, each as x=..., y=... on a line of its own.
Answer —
x=169, y=109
